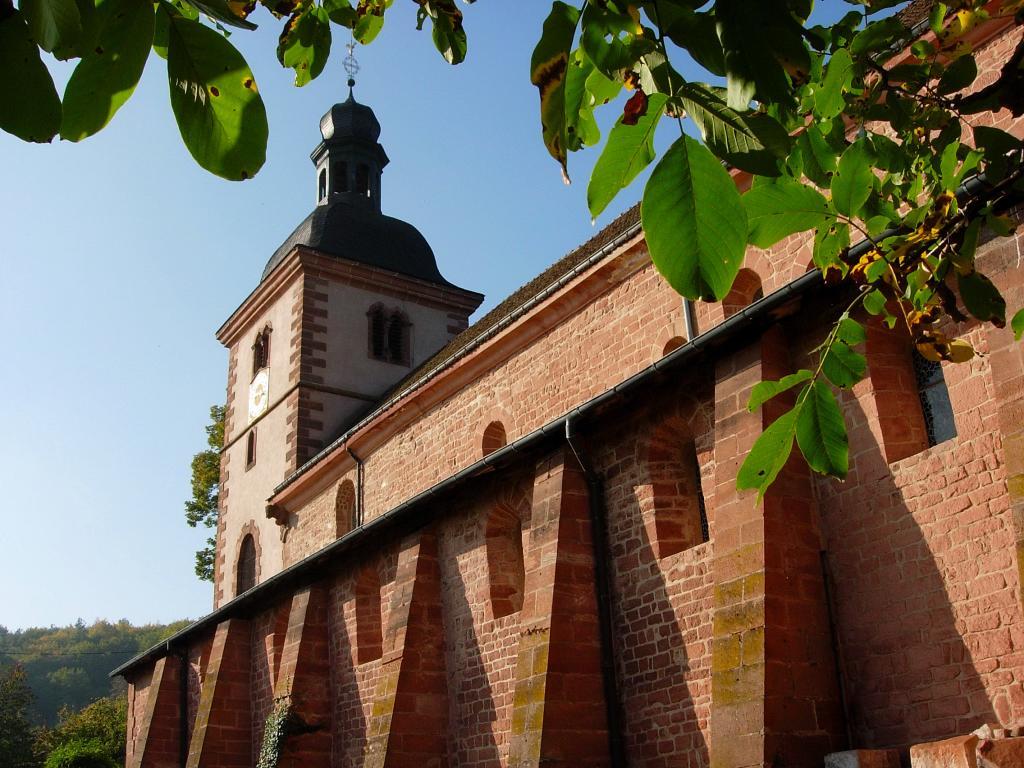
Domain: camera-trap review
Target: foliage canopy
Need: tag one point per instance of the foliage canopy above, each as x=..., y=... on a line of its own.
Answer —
x=202, y=508
x=864, y=129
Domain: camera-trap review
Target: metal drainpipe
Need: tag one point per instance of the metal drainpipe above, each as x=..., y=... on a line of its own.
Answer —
x=689, y=320
x=602, y=588
x=837, y=656
x=359, y=486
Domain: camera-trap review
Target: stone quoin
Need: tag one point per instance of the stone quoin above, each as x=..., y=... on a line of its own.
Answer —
x=519, y=542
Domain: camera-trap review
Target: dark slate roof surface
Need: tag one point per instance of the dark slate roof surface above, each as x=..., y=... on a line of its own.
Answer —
x=351, y=229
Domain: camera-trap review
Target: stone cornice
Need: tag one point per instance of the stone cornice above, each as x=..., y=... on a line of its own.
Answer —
x=304, y=260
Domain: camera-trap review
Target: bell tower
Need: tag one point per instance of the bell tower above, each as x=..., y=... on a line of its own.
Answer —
x=349, y=305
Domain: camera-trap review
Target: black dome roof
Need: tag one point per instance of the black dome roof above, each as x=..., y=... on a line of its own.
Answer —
x=351, y=229
x=350, y=120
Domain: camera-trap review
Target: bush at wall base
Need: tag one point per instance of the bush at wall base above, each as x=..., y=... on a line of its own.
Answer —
x=80, y=753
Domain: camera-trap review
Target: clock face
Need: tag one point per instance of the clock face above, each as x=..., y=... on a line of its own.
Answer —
x=259, y=394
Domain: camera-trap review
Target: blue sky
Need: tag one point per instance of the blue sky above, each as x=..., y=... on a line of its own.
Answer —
x=120, y=258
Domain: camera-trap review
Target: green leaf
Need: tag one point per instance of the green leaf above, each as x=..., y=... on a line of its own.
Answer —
x=766, y=390
x=749, y=142
x=580, y=126
x=695, y=32
x=215, y=100
x=851, y=332
x=829, y=242
x=107, y=74
x=757, y=40
x=874, y=302
x=305, y=43
x=1017, y=323
x=821, y=433
x=610, y=40
x=819, y=161
x=547, y=72
x=230, y=12
x=341, y=13
x=448, y=35
x=958, y=75
x=828, y=99
x=982, y=298
x=769, y=454
x=851, y=184
x=694, y=221
x=842, y=365
x=778, y=210
x=29, y=105
x=629, y=149
x=53, y=23
x=878, y=36
x=368, y=27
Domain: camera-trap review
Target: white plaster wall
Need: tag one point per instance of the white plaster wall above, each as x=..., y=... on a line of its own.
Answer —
x=349, y=366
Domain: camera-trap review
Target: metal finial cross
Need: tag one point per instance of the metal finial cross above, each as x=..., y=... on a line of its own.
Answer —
x=350, y=64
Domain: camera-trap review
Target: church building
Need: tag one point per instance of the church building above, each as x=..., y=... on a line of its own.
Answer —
x=518, y=543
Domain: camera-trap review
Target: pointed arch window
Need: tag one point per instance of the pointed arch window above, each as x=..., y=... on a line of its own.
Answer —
x=245, y=574
x=389, y=335
x=261, y=351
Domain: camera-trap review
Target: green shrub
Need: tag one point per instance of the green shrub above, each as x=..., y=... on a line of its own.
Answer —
x=80, y=753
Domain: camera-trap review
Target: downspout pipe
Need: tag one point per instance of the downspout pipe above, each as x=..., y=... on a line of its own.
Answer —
x=689, y=319
x=359, y=486
x=603, y=593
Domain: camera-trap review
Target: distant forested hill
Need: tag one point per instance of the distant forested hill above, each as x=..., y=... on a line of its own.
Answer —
x=68, y=666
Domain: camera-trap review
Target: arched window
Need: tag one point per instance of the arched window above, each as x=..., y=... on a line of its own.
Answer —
x=494, y=438
x=680, y=512
x=746, y=289
x=672, y=345
x=261, y=351
x=369, y=636
x=363, y=179
x=344, y=508
x=340, y=176
x=897, y=390
x=389, y=335
x=935, y=406
x=397, y=339
x=505, y=567
x=250, y=449
x=322, y=185
x=245, y=573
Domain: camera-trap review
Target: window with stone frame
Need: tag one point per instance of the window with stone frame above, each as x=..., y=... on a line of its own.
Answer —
x=494, y=438
x=344, y=509
x=250, y=449
x=936, y=409
x=390, y=335
x=245, y=572
x=261, y=351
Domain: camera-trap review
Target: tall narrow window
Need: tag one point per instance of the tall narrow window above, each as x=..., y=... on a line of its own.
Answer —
x=322, y=185
x=250, y=449
x=378, y=333
x=397, y=339
x=261, y=351
x=746, y=289
x=362, y=179
x=341, y=176
x=935, y=405
x=245, y=574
